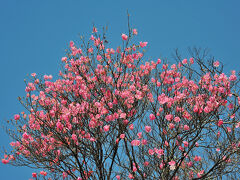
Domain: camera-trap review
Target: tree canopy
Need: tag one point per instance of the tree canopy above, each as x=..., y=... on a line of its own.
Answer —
x=111, y=114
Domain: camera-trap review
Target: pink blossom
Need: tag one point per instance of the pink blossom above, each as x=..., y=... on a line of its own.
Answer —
x=92, y=124
x=135, y=142
x=16, y=116
x=232, y=116
x=151, y=152
x=64, y=59
x=229, y=129
x=158, y=84
x=122, y=136
x=220, y=122
x=177, y=119
x=5, y=161
x=43, y=173
x=171, y=125
x=237, y=125
x=159, y=61
x=131, y=126
x=74, y=137
x=172, y=165
x=190, y=164
x=124, y=37
x=144, y=142
x=25, y=136
x=161, y=165
x=148, y=129
x=92, y=37
x=135, y=32
x=34, y=175
x=186, y=127
x=152, y=117
x=99, y=57
x=191, y=60
x=130, y=176
x=160, y=152
x=59, y=125
x=146, y=163
x=92, y=139
x=94, y=30
x=12, y=143
x=199, y=174
x=106, y=128
x=230, y=106
x=134, y=168
x=33, y=74
x=143, y=44
x=123, y=115
x=71, y=43
x=125, y=121
x=118, y=177
x=184, y=61
x=139, y=135
x=185, y=143
x=169, y=117
x=216, y=63
x=180, y=148
x=64, y=174
x=197, y=158
x=233, y=77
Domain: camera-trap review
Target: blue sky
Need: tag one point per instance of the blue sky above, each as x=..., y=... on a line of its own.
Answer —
x=34, y=35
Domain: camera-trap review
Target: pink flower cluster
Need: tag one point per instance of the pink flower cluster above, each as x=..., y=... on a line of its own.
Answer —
x=107, y=97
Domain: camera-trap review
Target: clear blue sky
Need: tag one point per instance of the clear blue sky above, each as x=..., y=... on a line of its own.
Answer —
x=35, y=33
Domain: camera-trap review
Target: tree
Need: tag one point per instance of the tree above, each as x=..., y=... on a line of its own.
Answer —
x=111, y=115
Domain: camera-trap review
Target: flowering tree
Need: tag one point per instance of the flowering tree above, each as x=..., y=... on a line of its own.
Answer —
x=109, y=115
